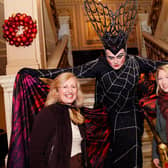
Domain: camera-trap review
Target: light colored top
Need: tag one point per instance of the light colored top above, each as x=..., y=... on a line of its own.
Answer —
x=76, y=140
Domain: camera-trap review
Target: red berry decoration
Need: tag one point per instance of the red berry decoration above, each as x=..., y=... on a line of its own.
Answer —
x=19, y=29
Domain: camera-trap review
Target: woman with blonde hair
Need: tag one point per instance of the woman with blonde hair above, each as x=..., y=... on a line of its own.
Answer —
x=161, y=111
x=58, y=131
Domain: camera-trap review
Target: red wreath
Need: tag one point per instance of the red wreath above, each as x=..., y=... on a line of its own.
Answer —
x=19, y=29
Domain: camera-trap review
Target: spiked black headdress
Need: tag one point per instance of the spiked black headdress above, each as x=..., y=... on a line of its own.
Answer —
x=112, y=28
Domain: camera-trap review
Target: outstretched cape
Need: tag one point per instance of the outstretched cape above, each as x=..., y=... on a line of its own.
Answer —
x=29, y=95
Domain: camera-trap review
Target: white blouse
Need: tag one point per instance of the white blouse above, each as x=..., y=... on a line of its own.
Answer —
x=76, y=140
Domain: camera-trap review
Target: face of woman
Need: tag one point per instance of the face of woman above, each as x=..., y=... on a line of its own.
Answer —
x=68, y=91
x=116, y=61
x=163, y=80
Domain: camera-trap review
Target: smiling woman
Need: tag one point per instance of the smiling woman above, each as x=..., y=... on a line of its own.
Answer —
x=68, y=91
x=60, y=144
x=65, y=88
x=159, y=154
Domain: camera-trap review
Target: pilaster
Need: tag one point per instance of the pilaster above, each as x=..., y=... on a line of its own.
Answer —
x=7, y=82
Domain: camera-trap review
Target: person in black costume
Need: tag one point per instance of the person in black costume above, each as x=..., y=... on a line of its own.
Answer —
x=117, y=77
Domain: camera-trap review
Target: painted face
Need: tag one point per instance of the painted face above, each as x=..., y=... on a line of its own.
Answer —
x=115, y=61
x=163, y=80
x=68, y=91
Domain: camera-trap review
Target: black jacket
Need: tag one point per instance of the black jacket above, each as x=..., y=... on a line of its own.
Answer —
x=51, y=138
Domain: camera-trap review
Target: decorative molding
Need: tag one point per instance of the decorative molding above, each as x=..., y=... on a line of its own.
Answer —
x=65, y=30
x=7, y=82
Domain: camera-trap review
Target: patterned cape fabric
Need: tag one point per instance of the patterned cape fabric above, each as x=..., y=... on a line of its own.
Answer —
x=29, y=96
x=97, y=135
x=147, y=96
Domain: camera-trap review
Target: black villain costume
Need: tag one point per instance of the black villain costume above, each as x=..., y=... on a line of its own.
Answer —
x=115, y=90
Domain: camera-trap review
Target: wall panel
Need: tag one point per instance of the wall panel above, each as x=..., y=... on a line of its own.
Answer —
x=82, y=33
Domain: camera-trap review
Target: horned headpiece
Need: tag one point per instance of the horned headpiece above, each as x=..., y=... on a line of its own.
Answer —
x=112, y=28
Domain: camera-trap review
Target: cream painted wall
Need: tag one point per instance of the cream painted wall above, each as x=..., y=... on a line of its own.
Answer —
x=19, y=57
x=33, y=55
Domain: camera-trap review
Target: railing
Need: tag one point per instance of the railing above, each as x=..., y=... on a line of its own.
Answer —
x=59, y=58
x=56, y=47
x=156, y=49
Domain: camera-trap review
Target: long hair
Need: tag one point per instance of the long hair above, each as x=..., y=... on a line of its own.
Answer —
x=164, y=68
x=54, y=97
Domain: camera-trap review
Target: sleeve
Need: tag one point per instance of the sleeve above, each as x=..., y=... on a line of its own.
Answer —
x=148, y=65
x=88, y=69
x=43, y=128
x=154, y=144
x=154, y=149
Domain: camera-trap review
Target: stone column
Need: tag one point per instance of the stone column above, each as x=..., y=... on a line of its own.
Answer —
x=7, y=82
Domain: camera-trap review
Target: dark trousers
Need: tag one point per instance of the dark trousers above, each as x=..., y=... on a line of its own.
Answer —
x=76, y=161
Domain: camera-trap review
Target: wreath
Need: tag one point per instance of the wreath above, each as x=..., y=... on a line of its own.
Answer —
x=19, y=29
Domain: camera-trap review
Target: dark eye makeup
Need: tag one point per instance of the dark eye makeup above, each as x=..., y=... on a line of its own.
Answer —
x=118, y=56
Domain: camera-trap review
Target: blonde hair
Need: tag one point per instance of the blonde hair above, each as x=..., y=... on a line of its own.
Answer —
x=76, y=116
x=53, y=96
x=164, y=68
